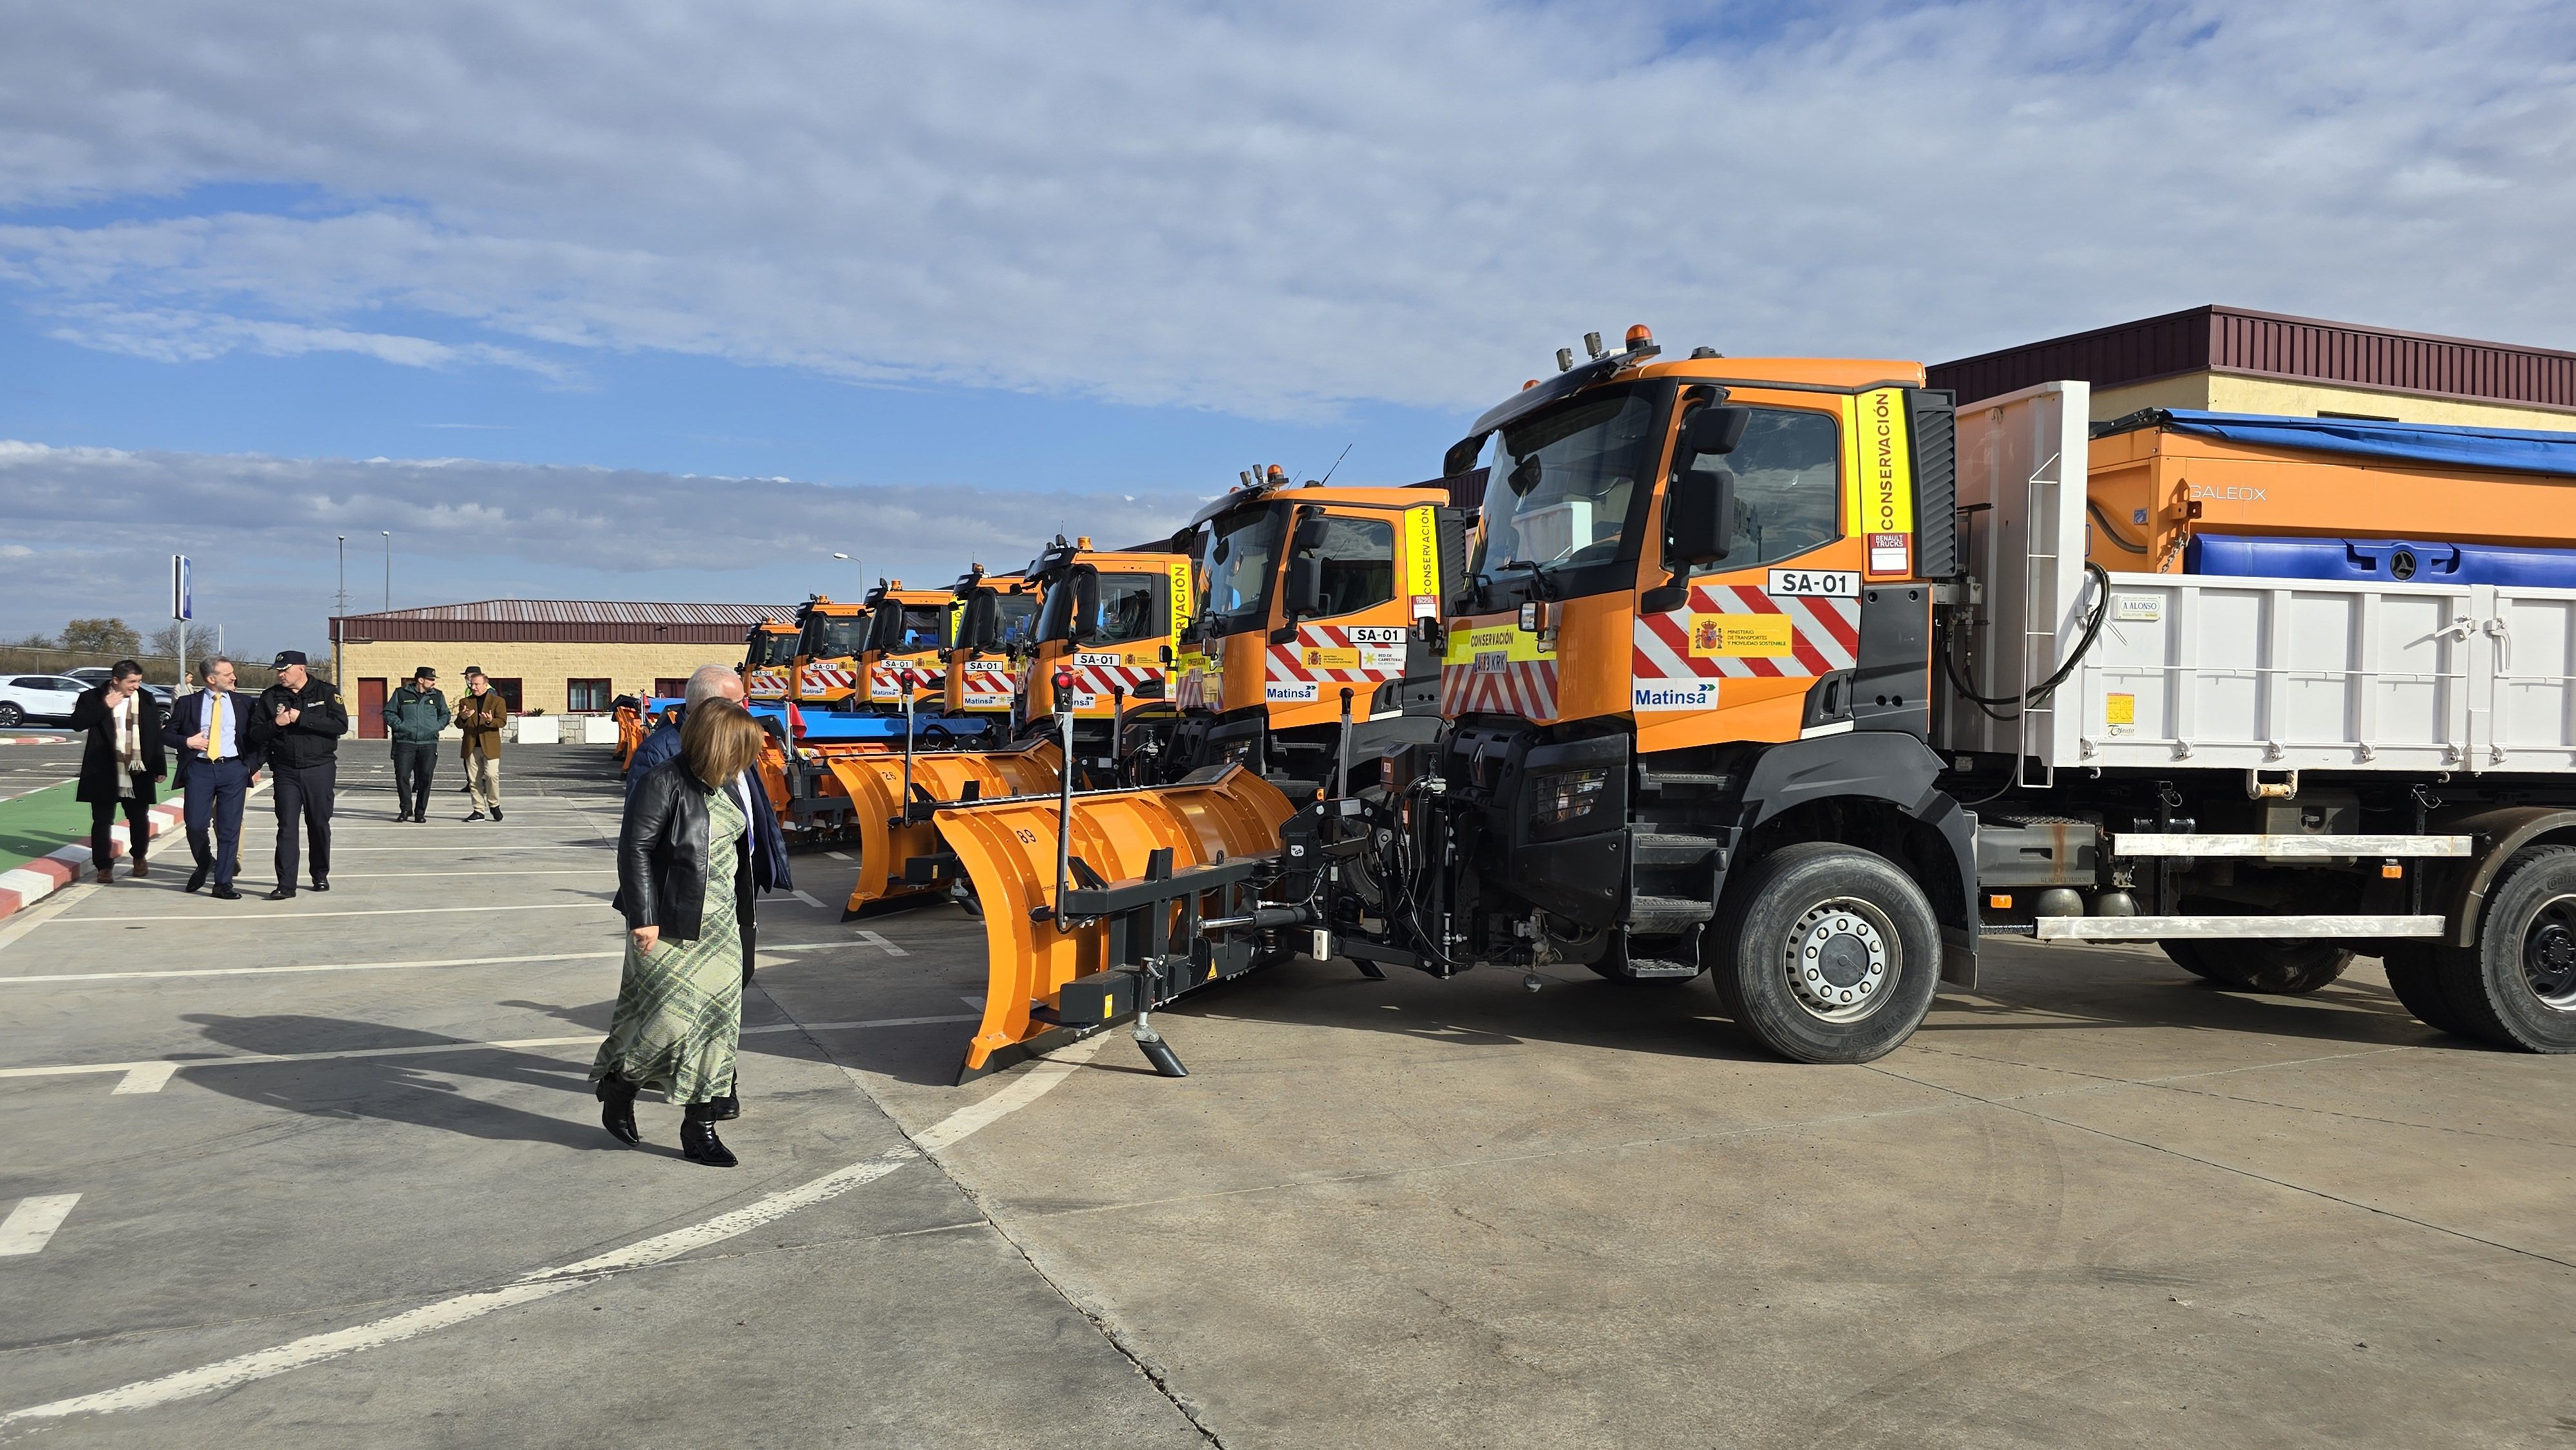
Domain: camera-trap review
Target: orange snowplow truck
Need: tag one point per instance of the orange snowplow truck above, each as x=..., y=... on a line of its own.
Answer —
x=994, y=633
x=769, y=660
x=829, y=640
x=907, y=640
x=1106, y=629
x=1313, y=638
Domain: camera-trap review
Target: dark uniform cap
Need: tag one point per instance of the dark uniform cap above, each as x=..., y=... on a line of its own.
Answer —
x=424, y=673
x=287, y=657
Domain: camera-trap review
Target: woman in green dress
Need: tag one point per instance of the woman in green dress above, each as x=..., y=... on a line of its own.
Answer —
x=683, y=885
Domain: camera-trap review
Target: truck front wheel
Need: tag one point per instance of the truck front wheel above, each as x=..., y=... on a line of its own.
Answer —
x=1827, y=953
x=2519, y=987
x=2288, y=966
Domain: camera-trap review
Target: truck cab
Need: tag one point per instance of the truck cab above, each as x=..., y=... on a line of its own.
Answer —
x=1107, y=624
x=994, y=635
x=1306, y=593
x=908, y=639
x=769, y=660
x=830, y=637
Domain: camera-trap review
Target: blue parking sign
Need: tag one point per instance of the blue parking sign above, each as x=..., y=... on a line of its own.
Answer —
x=183, y=603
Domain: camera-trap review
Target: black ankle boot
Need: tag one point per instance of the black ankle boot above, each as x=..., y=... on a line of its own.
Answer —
x=729, y=1107
x=617, y=1110
x=698, y=1140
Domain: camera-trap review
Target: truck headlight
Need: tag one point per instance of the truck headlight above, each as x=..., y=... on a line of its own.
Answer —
x=1561, y=798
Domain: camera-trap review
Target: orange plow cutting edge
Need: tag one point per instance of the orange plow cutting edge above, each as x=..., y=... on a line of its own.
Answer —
x=1146, y=867
x=893, y=832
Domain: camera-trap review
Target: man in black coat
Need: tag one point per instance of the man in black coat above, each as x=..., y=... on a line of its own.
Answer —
x=121, y=765
x=297, y=724
x=211, y=731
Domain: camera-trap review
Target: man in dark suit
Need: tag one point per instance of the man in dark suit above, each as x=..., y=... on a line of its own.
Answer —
x=296, y=725
x=211, y=731
x=121, y=765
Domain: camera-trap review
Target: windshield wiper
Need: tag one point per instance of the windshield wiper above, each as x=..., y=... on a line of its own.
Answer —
x=1545, y=586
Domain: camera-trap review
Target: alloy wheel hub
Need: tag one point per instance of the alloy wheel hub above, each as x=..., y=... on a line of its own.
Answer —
x=1838, y=961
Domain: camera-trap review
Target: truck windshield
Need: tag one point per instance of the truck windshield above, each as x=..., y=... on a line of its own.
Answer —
x=833, y=636
x=919, y=627
x=1239, y=566
x=1015, y=620
x=1565, y=483
x=772, y=649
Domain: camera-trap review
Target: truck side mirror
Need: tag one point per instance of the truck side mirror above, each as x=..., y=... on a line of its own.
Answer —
x=1086, y=604
x=1309, y=534
x=1305, y=586
x=1717, y=429
x=1699, y=516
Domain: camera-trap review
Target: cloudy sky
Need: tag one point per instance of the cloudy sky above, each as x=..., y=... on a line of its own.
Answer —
x=669, y=300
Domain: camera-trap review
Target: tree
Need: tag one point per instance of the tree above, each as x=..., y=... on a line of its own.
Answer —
x=102, y=636
x=37, y=640
x=201, y=640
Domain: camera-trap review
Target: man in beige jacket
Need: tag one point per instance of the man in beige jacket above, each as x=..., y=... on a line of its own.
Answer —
x=480, y=714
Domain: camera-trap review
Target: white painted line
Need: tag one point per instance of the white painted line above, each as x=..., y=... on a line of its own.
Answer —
x=409, y=875
x=337, y=849
x=949, y=1131
x=290, y=915
x=31, y=1224
x=974, y=1002
x=880, y=943
x=314, y=1349
x=837, y=856
x=809, y=901
x=418, y=1049
x=150, y=1078
x=316, y=967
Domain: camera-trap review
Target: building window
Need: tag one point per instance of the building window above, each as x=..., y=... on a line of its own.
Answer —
x=671, y=687
x=507, y=689
x=581, y=695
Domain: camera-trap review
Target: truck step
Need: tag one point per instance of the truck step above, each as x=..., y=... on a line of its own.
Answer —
x=1661, y=969
x=1666, y=915
x=1663, y=848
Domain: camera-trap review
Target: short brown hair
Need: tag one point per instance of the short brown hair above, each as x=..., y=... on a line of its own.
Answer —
x=719, y=740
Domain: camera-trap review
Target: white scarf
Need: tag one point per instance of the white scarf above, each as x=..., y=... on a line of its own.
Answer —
x=129, y=733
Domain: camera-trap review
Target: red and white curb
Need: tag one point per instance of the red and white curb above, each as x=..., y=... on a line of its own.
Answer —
x=39, y=739
x=38, y=879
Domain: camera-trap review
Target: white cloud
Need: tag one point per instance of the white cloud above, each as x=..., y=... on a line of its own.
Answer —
x=1278, y=209
x=97, y=526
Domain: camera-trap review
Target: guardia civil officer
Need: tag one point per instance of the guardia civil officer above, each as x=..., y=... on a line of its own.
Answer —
x=297, y=723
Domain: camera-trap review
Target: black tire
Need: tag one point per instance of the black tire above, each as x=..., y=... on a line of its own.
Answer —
x=2415, y=975
x=10, y=714
x=2518, y=989
x=2284, y=966
x=1855, y=921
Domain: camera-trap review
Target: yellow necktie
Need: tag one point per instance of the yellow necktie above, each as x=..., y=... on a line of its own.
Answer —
x=214, y=726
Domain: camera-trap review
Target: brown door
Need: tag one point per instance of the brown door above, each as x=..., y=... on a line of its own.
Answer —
x=371, y=709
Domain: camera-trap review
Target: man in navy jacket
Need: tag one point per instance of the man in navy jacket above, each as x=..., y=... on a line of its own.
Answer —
x=217, y=764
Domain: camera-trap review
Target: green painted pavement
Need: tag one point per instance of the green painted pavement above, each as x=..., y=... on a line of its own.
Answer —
x=42, y=822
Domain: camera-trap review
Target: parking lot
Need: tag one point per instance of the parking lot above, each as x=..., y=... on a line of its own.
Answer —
x=334, y=1177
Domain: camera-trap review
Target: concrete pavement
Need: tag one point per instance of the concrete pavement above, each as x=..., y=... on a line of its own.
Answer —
x=2096, y=1202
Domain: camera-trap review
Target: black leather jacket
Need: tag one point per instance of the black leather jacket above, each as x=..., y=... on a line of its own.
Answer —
x=314, y=738
x=662, y=856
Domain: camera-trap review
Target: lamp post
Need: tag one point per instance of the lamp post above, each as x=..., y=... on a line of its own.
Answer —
x=343, y=611
x=389, y=569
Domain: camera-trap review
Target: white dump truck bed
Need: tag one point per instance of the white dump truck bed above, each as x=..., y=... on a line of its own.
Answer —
x=2227, y=672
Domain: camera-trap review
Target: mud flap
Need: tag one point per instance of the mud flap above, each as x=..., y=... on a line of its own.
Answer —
x=1148, y=864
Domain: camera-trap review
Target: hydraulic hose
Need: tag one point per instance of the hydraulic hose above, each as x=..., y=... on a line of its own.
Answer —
x=2039, y=693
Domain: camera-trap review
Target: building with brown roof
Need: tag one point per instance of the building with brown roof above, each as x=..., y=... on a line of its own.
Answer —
x=2231, y=360
x=557, y=656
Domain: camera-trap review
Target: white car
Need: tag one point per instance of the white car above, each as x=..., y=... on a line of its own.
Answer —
x=38, y=699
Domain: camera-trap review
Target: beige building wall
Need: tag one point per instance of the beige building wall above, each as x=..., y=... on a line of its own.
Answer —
x=543, y=670
x=2235, y=393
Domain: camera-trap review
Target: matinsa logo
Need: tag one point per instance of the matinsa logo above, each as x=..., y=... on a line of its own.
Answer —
x=1288, y=693
x=1673, y=695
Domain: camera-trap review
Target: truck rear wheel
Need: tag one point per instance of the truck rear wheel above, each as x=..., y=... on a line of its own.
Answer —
x=1827, y=953
x=2288, y=966
x=2518, y=988
x=2415, y=975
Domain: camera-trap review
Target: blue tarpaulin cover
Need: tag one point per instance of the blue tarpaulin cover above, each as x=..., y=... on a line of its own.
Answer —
x=2517, y=449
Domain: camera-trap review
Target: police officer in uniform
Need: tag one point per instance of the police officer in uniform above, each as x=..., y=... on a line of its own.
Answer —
x=297, y=723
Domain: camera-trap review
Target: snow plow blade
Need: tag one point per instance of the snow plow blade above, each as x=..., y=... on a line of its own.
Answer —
x=1146, y=867
x=892, y=833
